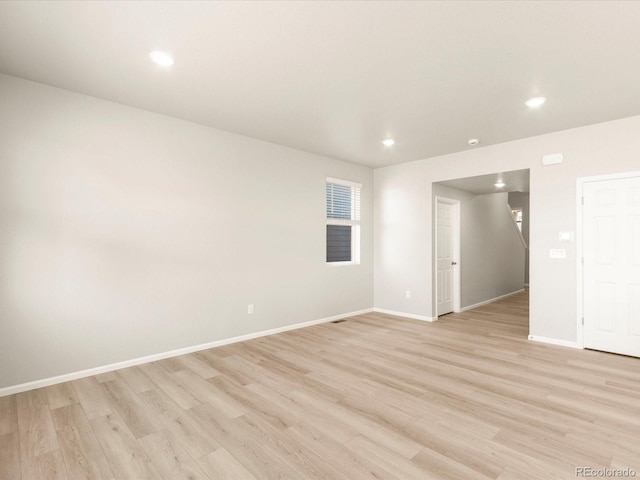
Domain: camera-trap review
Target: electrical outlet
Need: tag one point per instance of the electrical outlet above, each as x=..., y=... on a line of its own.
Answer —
x=250, y=309
x=557, y=253
x=407, y=294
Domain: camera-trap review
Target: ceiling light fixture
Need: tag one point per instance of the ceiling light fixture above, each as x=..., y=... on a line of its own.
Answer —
x=535, y=102
x=388, y=142
x=473, y=142
x=500, y=184
x=161, y=58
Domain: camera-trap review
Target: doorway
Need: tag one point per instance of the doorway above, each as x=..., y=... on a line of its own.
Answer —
x=489, y=250
x=609, y=293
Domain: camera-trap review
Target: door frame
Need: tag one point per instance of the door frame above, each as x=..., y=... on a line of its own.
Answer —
x=456, y=251
x=580, y=182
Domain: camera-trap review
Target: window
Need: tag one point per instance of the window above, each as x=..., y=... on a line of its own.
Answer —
x=517, y=217
x=343, y=222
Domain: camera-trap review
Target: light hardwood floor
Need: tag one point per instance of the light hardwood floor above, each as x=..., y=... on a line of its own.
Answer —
x=467, y=397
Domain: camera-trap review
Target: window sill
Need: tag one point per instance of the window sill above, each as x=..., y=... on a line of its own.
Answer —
x=341, y=264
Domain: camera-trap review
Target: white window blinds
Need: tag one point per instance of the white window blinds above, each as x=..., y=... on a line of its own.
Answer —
x=343, y=202
x=343, y=221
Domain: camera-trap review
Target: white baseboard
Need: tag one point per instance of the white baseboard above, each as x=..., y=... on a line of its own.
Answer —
x=45, y=382
x=406, y=315
x=553, y=341
x=486, y=302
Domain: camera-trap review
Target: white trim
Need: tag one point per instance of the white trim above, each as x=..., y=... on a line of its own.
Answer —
x=610, y=176
x=554, y=341
x=406, y=315
x=45, y=382
x=579, y=244
x=346, y=183
x=342, y=221
x=456, y=252
x=486, y=302
x=579, y=267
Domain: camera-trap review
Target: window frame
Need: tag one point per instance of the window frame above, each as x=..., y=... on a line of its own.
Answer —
x=514, y=213
x=353, y=222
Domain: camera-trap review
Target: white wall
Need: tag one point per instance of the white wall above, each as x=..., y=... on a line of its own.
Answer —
x=491, y=253
x=403, y=206
x=125, y=233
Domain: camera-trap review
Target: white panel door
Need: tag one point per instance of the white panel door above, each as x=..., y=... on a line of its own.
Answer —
x=444, y=253
x=611, y=273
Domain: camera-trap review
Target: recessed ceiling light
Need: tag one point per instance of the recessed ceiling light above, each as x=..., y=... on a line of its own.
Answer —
x=161, y=58
x=535, y=102
x=500, y=184
x=388, y=142
x=473, y=142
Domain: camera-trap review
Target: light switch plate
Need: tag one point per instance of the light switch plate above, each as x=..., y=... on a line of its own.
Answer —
x=566, y=236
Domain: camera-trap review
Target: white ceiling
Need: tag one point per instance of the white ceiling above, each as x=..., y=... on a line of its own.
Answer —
x=335, y=78
x=515, y=181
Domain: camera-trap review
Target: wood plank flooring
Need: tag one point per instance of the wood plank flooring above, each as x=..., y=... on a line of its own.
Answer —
x=374, y=397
